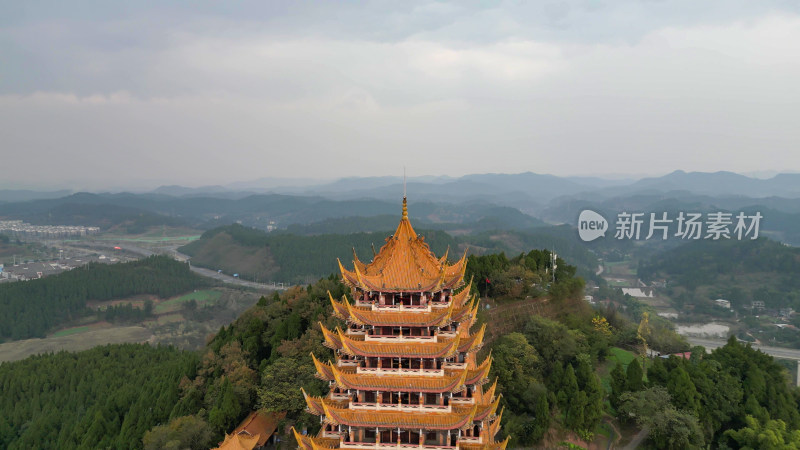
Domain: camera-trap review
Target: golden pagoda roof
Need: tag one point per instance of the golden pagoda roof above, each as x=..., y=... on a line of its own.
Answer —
x=488, y=410
x=312, y=443
x=400, y=383
x=235, y=441
x=491, y=445
x=405, y=264
x=482, y=410
x=314, y=404
x=442, y=349
x=494, y=427
x=392, y=419
x=332, y=339
x=480, y=375
x=489, y=393
x=458, y=310
x=474, y=342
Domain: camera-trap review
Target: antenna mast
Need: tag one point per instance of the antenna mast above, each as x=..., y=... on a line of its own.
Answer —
x=404, y=181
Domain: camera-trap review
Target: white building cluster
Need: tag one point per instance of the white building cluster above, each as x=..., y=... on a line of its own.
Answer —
x=19, y=229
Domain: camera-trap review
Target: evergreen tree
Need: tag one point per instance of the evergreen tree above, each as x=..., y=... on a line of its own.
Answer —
x=634, y=376
x=680, y=386
x=618, y=383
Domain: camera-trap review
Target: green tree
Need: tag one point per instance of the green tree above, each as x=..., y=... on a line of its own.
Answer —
x=514, y=364
x=683, y=392
x=190, y=432
x=633, y=376
x=618, y=383
x=773, y=435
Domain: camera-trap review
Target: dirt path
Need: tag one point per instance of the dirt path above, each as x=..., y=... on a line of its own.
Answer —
x=637, y=440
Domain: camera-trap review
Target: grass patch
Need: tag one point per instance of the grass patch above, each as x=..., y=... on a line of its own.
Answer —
x=622, y=356
x=615, y=355
x=201, y=297
x=71, y=331
x=169, y=318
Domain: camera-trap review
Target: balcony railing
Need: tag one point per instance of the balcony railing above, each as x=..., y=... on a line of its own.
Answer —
x=340, y=396
x=454, y=365
x=391, y=338
x=399, y=371
x=462, y=401
x=401, y=407
x=393, y=445
x=401, y=307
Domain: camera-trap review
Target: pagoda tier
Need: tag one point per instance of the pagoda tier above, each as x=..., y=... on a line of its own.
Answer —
x=406, y=373
x=405, y=264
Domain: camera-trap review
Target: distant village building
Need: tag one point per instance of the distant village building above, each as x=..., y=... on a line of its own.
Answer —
x=21, y=230
x=757, y=305
x=722, y=303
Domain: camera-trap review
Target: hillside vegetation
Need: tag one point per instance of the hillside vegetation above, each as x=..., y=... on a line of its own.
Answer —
x=290, y=258
x=740, y=271
x=106, y=397
x=32, y=308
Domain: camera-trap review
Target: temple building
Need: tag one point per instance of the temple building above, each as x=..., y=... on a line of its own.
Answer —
x=406, y=374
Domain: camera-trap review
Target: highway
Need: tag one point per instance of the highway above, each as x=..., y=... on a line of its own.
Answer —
x=199, y=270
x=777, y=352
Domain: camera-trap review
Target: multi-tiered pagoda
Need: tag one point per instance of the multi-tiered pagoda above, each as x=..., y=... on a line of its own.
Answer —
x=406, y=373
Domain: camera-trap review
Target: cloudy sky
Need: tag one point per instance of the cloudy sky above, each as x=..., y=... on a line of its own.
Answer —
x=112, y=94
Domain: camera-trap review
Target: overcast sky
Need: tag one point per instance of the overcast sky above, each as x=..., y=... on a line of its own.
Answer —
x=113, y=94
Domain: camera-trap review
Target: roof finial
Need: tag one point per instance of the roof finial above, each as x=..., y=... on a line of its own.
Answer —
x=405, y=207
x=404, y=181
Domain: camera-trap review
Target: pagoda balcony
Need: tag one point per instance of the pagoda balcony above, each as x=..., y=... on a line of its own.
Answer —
x=448, y=334
x=348, y=362
x=399, y=371
x=440, y=304
x=332, y=434
x=470, y=440
x=400, y=307
x=399, y=338
x=393, y=445
x=401, y=407
x=454, y=365
x=352, y=331
x=340, y=396
x=462, y=401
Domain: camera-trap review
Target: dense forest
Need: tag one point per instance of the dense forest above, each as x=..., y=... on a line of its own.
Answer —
x=32, y=308
x=294, y=258
x=299, y=258
x=735, y=397
x=106, y=397
x=740, y=271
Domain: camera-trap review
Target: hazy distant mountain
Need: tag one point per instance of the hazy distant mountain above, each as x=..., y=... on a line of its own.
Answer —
x=22, y=195
x=180, y=191
x=717, y=183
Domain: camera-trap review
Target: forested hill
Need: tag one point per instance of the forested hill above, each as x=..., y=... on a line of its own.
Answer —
x=290, y=258
x=32, y=308
x=106, y=397
x=740, y=269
